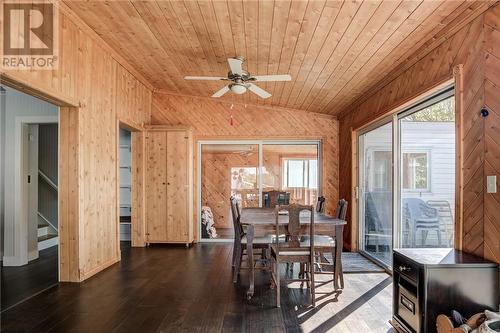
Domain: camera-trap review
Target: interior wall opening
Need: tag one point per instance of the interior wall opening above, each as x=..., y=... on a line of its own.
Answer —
x=257, y=174
x=125, y=186
x=29, y=195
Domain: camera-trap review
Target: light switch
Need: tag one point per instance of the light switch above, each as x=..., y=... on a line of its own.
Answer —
x=491, y=184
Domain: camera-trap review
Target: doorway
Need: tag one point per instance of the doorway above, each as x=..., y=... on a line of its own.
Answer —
x=29, y=196
x=406, y=180
x=125, y=186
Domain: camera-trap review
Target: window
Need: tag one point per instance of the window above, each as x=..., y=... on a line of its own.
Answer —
x=300, y=173
x=243, y=178
x=416, y=171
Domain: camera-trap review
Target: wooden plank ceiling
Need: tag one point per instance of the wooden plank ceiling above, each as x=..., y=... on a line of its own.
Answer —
x=335, y=51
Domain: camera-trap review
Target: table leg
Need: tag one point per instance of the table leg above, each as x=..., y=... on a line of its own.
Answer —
x=250, y=235
x=338, y=257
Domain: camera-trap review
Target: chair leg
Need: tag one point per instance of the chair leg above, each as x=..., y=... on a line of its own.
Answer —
x=238, y=255
x=424, y=236
x=313, y=287
x=439, y=236
x=277, y=273
x=234, y=253
x=307, y=277
x=341, y=276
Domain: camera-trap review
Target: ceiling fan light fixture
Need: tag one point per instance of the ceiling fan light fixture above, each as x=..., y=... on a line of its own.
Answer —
x=238, y=88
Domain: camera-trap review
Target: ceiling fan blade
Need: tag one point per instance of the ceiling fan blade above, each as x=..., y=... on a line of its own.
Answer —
x=235, y=65
x=205, y=78
x=221, y=92
x=284, y=77
x=258, y=91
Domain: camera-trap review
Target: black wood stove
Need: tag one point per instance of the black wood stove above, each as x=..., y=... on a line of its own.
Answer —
x=429, y=282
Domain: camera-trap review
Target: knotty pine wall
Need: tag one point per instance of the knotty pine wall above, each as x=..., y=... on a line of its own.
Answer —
x=491, y=223
x=216, y=180
x=97, y=90
x=476, y=47
x=210, y=120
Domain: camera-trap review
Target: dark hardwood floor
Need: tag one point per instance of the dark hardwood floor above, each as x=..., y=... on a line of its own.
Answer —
x=174, y=289
x=19, y=283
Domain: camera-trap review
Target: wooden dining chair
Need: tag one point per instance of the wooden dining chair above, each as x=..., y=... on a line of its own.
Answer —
x=327, y=244
x=240, y=241
x=320, y=205
x=293, y=250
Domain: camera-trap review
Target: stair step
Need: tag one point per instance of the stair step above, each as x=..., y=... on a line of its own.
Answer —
x=42, y=231
x=47, y=241
x=46, y=237
x=42, y=224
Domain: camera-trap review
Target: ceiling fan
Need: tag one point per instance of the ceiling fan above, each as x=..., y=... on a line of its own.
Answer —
x=240, y=80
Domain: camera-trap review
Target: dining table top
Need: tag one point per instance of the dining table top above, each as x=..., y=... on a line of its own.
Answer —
x=266, y=216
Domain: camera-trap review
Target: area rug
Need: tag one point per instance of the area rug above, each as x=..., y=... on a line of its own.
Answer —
x=353, y=262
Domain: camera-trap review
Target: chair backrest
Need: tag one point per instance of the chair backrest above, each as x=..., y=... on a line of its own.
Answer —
x=341, y=211
x=378, y=214
x=272, y=198
x=293, y=226
x=320, y=205
x=417, y=208
x=235, y=212
x=283, y=198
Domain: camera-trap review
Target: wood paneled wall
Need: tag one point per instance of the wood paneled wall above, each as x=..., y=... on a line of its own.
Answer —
x=216, y=182
x=98, y=89
x=479, y=137
x=492, y=132
x=211, y=120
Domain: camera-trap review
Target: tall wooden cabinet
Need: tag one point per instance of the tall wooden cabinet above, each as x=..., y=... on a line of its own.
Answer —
x=169, y=185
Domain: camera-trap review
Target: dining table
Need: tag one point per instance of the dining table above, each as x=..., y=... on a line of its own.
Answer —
x=262, y=221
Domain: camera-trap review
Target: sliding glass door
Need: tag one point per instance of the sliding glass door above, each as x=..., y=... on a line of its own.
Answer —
x=257, y=174
x=427, y=174
x=409, y=203
x=375, y=192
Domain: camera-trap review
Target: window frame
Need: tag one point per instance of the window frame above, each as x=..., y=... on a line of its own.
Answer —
x=428, y=155
x=305, y=172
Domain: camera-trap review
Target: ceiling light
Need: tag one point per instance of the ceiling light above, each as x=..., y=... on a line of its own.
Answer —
x=238, y=88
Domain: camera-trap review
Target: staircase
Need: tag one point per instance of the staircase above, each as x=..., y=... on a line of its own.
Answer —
x=47, y=231
x=47, y=234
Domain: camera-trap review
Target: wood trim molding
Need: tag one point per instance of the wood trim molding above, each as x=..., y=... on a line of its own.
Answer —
x=92, y=34
x=354, y=200
x=459, y=188
x=139, y=194
x=162, y=128
x=70, y=189
x=43, y=93
x=85, y=275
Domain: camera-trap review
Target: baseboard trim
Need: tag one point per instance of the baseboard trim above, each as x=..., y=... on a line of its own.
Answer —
x=94, y=271
x=12, y=261
x=32, y=255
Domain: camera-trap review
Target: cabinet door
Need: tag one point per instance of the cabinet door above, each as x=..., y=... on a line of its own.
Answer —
x=156, y=187
x=177, y=186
